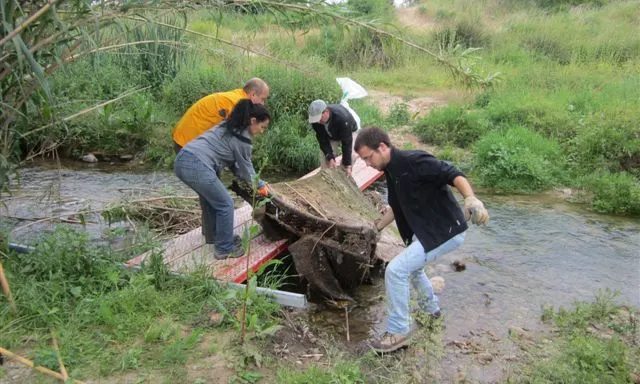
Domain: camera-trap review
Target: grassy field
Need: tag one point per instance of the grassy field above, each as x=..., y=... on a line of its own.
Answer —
x=567, y=76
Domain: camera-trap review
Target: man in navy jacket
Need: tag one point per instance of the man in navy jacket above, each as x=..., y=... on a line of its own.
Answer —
x=333, y=125
x=428, y=218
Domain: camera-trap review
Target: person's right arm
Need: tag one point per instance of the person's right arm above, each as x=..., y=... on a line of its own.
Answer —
x=244, y=166
x=386, y=219
x=323, y=140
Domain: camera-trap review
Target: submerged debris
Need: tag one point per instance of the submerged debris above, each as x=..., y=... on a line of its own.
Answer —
x=331, y=221
x=459, y=266
x=164, y=214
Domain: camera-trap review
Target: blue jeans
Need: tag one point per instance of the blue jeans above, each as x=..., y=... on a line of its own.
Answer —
x=409, y=265
x=206, y=219
x=217, y=203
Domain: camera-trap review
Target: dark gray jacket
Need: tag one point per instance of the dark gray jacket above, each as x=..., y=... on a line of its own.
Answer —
x=421, y=200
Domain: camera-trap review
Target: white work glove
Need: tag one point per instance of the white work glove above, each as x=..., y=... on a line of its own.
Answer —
x=475, y=209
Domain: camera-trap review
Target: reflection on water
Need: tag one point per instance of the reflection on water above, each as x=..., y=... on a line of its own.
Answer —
x=48, y=190
x=535, y=251
x=533, y=254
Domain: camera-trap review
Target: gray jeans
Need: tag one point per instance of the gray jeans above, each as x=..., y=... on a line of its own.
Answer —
x=217, y=204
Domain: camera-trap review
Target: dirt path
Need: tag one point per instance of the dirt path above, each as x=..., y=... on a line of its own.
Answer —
x=418, y=107
x=413, y=18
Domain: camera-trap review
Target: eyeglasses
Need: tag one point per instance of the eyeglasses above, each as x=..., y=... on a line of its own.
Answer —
x=366, y=158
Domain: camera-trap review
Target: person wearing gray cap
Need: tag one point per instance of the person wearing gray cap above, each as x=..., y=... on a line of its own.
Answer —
x=333, y=125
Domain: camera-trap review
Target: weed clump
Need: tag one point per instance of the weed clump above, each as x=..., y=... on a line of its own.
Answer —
x=518, y=160
x=593, y=346
x=451, y=125
x=109, y=318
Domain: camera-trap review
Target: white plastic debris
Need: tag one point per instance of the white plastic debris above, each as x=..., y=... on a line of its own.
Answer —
x=351, y=90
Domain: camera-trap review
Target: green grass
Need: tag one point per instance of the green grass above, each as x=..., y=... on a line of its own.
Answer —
x=452, y=125
x=411, y=78
x=341, y=373
x=614, y=192
x=109, y=319
x=593, y=344
x=518, y=160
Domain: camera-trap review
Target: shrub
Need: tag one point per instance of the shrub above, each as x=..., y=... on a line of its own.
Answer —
x=291, y=92
x=159, y=150
x=483, y=98
x=444, y=14
x=155, y=62
x=67, y=255
x=191, y=84
x=451, y=125
x=550, y=47
x=288, y=145
x=91, y=81
x=64, y=268
x=564, y=3
x=399, y=114
x=460, y=157
x=614, y=192
x=122, y=128
x=518, y=160
x=538, y=112
x=358, y=48
x=609, y=142
x=466, y=33
x=380, y=8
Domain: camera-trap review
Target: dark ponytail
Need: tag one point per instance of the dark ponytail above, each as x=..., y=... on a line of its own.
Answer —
x=243, y=112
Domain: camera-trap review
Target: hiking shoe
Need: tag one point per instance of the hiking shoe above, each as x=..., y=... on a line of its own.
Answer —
x=237, y=241
x=390, y=342
x=236, y=252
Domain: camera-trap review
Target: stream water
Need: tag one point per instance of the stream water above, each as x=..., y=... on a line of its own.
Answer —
x=537, y=250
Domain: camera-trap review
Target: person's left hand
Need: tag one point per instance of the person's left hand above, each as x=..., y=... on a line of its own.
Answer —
x=476, y=210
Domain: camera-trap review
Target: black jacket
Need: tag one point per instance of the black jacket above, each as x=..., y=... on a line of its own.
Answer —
x=341, y=126
x=422, y=202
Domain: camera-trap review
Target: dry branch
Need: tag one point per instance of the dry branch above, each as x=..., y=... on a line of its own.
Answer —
x=26, y=23
x=7, y=292
x=346, y=317
x=63, y=370
x=306, y=201
x=29, y=363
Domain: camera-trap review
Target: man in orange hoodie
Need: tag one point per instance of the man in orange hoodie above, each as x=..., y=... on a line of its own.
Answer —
x=211, y=110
